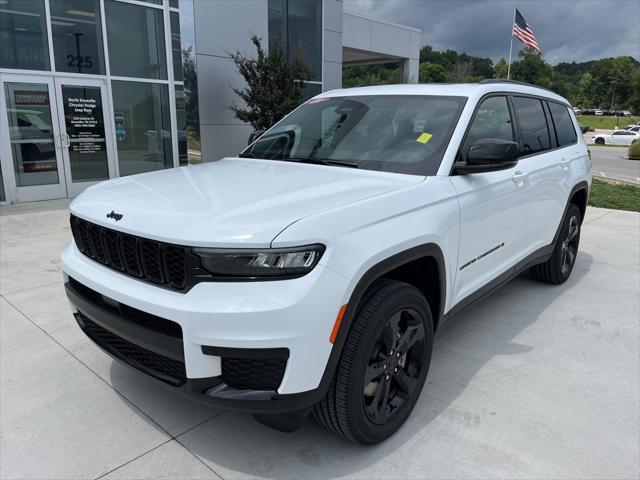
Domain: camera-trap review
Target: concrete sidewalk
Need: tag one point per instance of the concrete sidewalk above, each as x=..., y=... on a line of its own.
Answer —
x=535, y=381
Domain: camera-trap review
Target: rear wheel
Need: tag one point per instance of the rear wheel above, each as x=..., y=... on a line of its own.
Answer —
x=383, y=366
x=558, y=268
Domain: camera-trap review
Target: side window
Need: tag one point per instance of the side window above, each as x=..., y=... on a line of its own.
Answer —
x=565, y=131
x=534, y=133
x=492, y=120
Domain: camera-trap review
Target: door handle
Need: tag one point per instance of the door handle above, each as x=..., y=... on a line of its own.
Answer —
x=519, y=178
x=64, y=140
x=564, y=163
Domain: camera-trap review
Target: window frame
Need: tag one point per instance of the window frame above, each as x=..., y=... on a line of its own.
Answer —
x=514, y=120
x=552, y=143
x=514, y=129
x=555, y=129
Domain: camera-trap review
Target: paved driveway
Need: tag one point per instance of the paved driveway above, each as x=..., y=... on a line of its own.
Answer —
x=534, y=381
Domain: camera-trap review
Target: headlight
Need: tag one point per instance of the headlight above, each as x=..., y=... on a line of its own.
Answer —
x=258, y=263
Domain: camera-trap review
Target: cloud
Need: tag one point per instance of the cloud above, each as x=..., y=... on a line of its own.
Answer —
x=566, y=30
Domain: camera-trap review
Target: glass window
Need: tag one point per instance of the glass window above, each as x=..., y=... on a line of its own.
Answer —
x=534, y=134
x=23, y=35
x=136, y=40
x=176, y=46
x=31, y=134
x=277, y=24
x=395, y=133
x=3, y=198
x=492, y=120
x=84, y=122
x=77, y=36
x=173, y=4
x=143, y=132
x=565, y=130
x=181, y=120
x=304, y=19
x=296, y=27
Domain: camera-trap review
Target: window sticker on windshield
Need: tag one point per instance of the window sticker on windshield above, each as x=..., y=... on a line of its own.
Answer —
x=424, y=137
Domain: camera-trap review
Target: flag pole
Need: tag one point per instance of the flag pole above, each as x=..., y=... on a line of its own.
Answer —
x=511, y=45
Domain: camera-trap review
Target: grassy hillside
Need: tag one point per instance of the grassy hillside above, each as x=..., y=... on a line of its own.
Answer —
x=605, y=122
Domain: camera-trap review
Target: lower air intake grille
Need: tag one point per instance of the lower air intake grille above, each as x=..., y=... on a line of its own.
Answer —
x=253, y=373
x=161, y=367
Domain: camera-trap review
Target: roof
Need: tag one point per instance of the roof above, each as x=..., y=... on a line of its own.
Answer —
x=471, y=90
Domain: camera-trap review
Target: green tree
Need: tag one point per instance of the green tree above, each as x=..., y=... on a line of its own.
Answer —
x=431, y=72
x=531, y=68
x=501, y=69
x=585, y=97
x=273, y=88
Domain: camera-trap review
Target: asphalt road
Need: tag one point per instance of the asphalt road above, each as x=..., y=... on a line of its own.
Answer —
x=609, y=162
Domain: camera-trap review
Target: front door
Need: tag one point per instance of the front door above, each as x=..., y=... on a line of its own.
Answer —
x=58, y=141
x=87, y=145
x=31, y=152
x=494, y=231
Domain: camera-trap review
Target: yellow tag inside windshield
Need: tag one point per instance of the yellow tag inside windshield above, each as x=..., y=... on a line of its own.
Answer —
x=424, y=137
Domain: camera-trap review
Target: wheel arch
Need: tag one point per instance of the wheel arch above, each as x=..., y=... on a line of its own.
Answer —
x=404, y=266
x=579, y=197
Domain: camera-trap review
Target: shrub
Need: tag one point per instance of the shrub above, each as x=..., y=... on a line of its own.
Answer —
x=634, y=149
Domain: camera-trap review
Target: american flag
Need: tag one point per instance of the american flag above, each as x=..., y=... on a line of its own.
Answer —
x=522, y=31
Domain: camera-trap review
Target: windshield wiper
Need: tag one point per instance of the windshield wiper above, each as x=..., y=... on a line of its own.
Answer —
x=326, y=161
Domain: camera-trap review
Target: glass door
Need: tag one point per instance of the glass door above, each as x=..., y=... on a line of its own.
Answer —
x=31, y=153
x=87, y=146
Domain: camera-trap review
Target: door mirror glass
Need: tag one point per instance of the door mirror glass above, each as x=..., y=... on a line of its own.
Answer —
x=489, y=155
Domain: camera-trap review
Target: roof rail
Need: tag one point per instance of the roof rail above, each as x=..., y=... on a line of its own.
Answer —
x=514, y=82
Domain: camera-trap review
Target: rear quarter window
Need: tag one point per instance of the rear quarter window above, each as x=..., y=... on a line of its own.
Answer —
x=564, y=128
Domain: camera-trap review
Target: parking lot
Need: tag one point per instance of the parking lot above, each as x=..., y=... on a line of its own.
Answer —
x=535, y=381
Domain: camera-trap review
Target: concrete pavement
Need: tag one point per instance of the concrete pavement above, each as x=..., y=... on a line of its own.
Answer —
x=535, y=381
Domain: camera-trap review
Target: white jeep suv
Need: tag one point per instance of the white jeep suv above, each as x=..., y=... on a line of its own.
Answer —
x=310, y=273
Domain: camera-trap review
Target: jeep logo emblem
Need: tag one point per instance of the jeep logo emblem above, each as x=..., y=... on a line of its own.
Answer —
x=114, y=215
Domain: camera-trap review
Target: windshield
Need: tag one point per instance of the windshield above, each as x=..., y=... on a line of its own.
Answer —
x=395, y=133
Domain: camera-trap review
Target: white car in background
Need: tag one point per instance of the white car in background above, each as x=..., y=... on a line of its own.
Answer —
x=619, y=137
x=598, y=112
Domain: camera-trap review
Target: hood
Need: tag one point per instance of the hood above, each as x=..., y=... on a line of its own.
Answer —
x=234, y=202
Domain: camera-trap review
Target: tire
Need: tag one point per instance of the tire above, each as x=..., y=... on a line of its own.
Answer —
x=599, y=141
x=370, y=413
x=559, y=267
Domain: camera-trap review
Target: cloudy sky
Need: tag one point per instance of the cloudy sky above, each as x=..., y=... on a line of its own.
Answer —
x=567, y=30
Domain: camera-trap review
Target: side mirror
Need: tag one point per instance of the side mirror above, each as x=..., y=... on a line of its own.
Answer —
x=489, y=155
x=255, y=135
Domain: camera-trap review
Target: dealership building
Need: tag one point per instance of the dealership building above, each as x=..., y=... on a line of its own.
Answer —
x=97, y=89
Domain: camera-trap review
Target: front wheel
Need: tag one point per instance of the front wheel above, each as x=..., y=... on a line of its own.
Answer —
x=599, y=141
x=383, y=366
x=565, y=251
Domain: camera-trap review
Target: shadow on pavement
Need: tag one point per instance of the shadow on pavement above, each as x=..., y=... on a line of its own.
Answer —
x=235, y=445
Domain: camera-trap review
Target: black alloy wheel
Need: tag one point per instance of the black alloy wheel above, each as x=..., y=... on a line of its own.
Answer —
x=569, y=249
x=383, y=366
x=393, y=370
x=565, y=251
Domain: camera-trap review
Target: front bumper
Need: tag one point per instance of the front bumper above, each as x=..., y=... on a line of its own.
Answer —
x=252, y=329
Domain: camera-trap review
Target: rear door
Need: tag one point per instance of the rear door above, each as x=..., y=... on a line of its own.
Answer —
x=549, y=155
